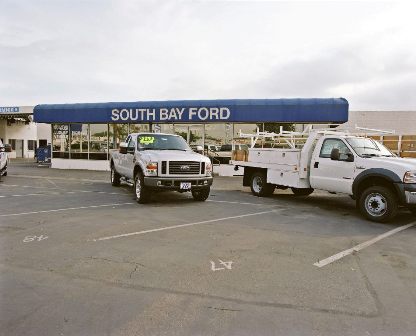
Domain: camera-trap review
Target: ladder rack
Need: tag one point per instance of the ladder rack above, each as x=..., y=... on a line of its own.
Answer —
x=290, y=137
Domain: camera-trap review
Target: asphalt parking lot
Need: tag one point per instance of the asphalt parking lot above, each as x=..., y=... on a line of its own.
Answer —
x=80, y=257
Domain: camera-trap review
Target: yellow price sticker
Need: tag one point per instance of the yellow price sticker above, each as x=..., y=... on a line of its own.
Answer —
x=147, y=140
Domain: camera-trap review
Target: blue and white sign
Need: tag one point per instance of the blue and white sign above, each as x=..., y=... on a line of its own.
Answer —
x=12, y=109
x=198, y=111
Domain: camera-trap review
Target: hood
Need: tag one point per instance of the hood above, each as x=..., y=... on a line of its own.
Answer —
x=172, y=155
x=395, y=164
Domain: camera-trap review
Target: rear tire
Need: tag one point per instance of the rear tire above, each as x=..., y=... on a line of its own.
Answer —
x=302, y=191
x=378, y=204
x=142, y=193
x=200, y=195
x=114, y=177
x=259, y=186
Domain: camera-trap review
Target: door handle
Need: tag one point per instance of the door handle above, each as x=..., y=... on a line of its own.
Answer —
x=316, y=164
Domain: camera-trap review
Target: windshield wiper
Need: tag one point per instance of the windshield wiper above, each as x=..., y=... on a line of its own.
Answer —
x=169, y=149
x=370, y=155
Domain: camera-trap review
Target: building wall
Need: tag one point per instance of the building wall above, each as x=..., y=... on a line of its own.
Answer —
x=19, y=130
x=402, y=122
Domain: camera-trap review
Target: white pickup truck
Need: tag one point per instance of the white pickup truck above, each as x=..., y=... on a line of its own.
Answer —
x=4, y=149
x=337, y=162
x=156, y=162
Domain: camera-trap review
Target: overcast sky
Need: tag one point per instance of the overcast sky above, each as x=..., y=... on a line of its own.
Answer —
x=97, y=51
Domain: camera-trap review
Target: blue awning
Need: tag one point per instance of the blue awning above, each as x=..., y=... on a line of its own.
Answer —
x=316, y=110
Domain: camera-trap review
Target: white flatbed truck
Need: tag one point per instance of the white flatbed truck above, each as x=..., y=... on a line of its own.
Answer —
x=334, y=161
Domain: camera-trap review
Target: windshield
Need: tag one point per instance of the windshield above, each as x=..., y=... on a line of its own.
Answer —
x=161, y=142
x=368, y=147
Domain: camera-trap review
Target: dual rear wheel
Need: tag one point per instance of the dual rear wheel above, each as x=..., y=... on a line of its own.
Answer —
x=261, y=188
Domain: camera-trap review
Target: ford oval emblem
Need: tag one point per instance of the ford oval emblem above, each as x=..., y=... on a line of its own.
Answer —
x=185, y=167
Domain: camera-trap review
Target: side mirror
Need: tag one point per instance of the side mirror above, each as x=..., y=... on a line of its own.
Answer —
x=350, y=157
x=123, y=148
x=335, y=154
x=199, y=149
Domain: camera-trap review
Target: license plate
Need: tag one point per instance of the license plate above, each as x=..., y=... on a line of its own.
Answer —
x=185, y=185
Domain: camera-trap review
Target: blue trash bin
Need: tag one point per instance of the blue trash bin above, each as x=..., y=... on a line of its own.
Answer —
x=44, y=154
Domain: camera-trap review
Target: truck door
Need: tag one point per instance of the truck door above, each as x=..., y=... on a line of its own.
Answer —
x=332, y=175
x=129, y=162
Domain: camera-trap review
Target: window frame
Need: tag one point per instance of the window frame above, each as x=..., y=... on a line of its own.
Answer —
x=329, y=157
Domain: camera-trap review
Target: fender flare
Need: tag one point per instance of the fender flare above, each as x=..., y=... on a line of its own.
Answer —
x=137, y=167
x=386, y=174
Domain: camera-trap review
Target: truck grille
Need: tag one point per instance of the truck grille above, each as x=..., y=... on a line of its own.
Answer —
x=184, y=168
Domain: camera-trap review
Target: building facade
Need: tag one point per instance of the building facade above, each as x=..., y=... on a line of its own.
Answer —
x=18, y=129
x=83, y=135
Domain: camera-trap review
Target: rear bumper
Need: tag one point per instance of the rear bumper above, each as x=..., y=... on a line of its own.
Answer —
x=169, y=183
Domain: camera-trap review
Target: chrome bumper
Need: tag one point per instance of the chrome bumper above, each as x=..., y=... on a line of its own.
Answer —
x=173, y=183
x=410, y=197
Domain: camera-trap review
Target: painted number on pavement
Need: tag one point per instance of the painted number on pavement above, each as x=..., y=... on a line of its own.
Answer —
x=225, y=264
x=29, y=239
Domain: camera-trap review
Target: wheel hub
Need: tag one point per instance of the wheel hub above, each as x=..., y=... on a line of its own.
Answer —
x=376, y=204
x=257, y=184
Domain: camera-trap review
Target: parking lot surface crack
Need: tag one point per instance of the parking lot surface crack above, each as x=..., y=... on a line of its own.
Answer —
x=225, y=309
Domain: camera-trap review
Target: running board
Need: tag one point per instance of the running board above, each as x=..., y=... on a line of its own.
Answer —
x=127, y=181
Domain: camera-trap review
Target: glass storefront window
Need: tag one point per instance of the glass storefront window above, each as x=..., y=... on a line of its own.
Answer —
x=79, y=141
x=60, y=141
x=247, y=129
x=118, y=133
x=215, y=134
x=98, y=141
x=192, y=133
x=138, y=128
x=167, y=128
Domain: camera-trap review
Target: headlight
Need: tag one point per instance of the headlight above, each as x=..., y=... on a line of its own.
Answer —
x=208, y=169
x=151, y=168
x=410, y=177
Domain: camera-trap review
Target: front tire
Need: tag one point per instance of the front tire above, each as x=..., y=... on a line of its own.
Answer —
x=200, y=195
x=302, y=191
x=259, y=186
x=378, y=204
x=114, y=177
x=142, y=193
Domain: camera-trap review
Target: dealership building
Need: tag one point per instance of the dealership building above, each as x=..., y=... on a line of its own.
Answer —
x=83, y=135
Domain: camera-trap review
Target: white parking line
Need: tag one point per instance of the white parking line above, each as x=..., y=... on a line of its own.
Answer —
x=65, y=209
x=182, y=225
x=361, y=246
x=59, y=178
x=244, y=203
x=62, y=193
